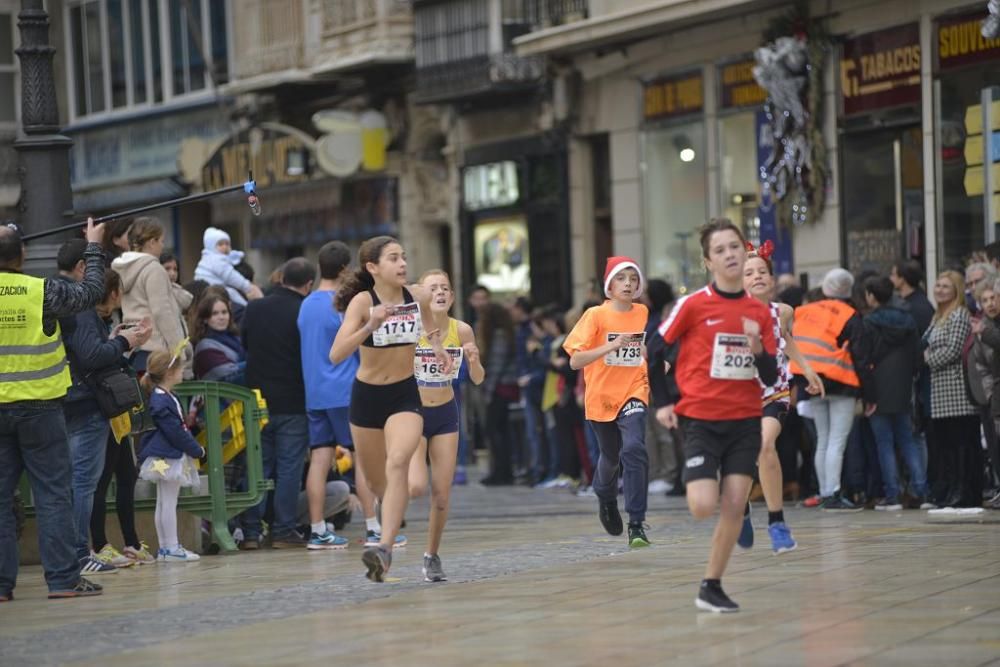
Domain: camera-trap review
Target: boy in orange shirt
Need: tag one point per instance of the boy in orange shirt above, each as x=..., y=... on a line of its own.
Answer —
x=608, y=343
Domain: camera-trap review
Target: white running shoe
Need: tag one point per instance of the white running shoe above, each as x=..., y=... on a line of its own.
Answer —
x=177, y=555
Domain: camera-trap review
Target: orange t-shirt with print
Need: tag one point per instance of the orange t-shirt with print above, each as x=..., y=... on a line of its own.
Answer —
x=619, y=376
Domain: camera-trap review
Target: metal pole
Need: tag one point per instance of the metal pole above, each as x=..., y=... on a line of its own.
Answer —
x=250, y=188
x=989, y=215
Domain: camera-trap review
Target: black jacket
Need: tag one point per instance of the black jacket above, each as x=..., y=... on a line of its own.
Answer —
x=894, y=358
x=88, y=349
x=270, y=336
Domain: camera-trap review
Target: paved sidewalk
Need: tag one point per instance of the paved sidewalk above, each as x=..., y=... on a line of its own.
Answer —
x=534, y=580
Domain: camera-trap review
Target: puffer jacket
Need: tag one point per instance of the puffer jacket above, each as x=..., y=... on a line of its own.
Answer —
x=217, y=269
x=894, y=354
x=147, y=292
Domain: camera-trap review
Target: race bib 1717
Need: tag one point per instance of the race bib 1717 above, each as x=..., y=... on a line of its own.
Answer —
x=401, y=326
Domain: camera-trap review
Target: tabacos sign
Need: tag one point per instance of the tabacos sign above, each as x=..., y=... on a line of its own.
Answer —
x=881, y=69
x=672, y=96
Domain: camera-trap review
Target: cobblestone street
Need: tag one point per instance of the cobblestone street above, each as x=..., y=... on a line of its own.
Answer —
x=534, y=580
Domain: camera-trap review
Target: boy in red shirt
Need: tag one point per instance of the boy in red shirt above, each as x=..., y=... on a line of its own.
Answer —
x=608, y=343
x=725, y=341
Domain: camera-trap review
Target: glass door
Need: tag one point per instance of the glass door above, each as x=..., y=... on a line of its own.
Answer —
x=882, y=198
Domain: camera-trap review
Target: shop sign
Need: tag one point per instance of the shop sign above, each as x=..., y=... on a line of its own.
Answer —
x=140, y=150
x=673, y=96
x=881, y=69
x=738, y=87
x=276, y=154
x=490, y=185
x=960, y=41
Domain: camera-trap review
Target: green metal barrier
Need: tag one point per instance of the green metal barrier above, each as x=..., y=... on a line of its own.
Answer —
x=219, y=505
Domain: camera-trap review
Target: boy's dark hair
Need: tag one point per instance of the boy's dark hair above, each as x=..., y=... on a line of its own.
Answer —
x=911, y=272
x=880, y=287
x=717, y=225
x=70, y=254
x=524, y=303
x=298, y=272
x=993, y=252
x=660, y=293
x=245, y=270
x=333, y=258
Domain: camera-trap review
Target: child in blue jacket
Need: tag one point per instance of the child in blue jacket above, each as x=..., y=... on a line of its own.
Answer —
x=167, y=453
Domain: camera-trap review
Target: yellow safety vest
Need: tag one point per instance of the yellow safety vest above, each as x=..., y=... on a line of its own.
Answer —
x=33, y=366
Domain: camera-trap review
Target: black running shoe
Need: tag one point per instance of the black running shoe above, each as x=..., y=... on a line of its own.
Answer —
x=637, y=536
x=610, y=517
x=838, y=503
x=712, y=598
x=377, y=560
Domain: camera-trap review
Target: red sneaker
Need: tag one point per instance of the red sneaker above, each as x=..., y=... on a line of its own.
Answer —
x=814, y=501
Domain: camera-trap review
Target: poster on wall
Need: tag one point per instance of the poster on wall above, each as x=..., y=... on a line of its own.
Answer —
x=501, y=255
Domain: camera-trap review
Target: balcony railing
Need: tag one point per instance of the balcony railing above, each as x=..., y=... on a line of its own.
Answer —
x=478, y=76
x=541, y=14
x=268, y=37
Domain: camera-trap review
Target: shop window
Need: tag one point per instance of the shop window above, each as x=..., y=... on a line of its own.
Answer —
x=118, y=54
x=738, y=145
x=961, y=228
x=8, y=70
x=675, y=204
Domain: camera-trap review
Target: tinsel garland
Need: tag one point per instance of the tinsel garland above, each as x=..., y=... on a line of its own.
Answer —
x=797, y=174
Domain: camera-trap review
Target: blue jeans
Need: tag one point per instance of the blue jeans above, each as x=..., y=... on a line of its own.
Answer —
x=861, y=468
x=33, y=438
x=534, y=432
x=284, y=442
x=891, y=430
x=88, y=437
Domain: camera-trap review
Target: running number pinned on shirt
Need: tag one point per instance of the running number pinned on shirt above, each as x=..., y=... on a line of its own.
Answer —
x=630, y=353
x=428, y=370
x=401, y=326
x=732, y=358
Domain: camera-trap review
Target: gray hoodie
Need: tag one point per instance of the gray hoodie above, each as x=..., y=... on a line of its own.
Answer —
x=147, y=292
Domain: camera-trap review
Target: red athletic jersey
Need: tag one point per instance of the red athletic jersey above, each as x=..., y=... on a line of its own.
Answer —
x=715, y=371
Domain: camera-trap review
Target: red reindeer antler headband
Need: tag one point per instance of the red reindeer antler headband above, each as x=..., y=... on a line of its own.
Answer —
x=764, y=251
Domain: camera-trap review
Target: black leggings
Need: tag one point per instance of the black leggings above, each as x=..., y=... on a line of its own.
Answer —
x=118, y=461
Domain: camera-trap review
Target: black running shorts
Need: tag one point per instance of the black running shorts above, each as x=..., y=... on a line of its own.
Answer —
x=714, y=449
x=777, y=410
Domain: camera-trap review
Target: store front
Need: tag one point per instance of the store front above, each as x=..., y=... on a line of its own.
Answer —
x=882, y=212
x=965, y=65
x=303, y=207
x=514, y=219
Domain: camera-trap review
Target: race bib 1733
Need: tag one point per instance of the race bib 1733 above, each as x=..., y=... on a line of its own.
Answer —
x=629, y=354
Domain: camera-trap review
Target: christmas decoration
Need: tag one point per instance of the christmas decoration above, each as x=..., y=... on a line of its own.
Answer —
x=790, y=68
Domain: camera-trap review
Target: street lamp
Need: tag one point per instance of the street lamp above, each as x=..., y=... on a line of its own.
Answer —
x=43, y=153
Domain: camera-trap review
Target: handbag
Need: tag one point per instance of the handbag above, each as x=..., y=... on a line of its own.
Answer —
x=115, y=389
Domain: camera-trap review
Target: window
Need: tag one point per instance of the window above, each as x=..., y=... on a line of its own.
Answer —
x=8, y=70
x=451, y=31
x=675, y=203
x=119, y=50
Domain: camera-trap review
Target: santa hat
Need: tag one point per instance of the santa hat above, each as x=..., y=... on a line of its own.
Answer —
x=616, y=264
x=212, y=237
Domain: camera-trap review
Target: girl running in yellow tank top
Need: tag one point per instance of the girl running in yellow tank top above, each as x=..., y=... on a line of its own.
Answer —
x=439, y=444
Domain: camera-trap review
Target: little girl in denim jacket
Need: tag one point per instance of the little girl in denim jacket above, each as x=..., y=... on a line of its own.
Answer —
x=167, y=454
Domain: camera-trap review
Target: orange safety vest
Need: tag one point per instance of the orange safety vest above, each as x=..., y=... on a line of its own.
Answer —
x=815, y=330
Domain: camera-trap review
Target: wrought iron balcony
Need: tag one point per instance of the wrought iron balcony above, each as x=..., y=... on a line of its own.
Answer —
x=478, y=76
x=550, y=13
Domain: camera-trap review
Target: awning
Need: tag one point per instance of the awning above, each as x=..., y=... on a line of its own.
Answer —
x=649, y=20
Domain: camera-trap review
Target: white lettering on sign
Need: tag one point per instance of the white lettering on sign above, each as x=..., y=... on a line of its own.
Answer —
x=490, y=185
